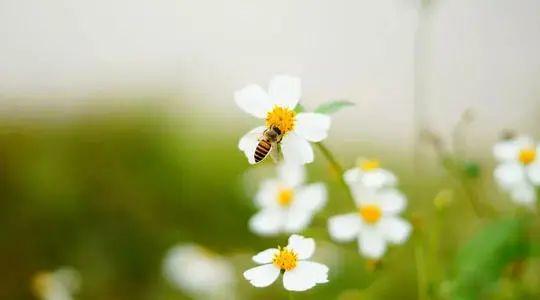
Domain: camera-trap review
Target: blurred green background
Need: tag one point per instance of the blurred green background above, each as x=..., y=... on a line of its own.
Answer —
x=110, y=193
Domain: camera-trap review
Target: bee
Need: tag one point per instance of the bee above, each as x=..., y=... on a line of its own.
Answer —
x=268, y=143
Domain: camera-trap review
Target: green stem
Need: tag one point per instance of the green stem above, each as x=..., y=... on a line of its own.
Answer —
x=420, y=271
x=291, y=296
x=336, y=166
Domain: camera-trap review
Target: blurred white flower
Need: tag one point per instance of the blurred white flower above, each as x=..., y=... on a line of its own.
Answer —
x=518, y=170
x=199, y=273
x=277, y=108
x=369, y=173
x=286, y=204
x=58, y=285
x=298, y=273
x=375, y=224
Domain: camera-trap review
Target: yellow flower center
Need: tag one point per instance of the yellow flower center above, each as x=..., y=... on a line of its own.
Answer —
x=285, y=196
x=371, y=213
x=369, y=164
x=527, y=155
x=41, y=283
x=282, y=118
x=285, y=259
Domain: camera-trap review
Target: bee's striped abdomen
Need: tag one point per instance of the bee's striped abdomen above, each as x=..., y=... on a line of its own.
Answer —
x=262, y=150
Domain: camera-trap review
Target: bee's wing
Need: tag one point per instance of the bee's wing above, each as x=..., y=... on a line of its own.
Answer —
x=274, y=152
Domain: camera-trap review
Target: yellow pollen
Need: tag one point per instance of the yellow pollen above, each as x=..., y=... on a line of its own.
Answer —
x=285, y=196
x=527, y=156
x=285, y=259
x=369, y=164
x=370, y=213
x=282, y=118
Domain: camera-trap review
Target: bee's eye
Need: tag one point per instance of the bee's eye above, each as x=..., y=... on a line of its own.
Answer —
x=277, y=130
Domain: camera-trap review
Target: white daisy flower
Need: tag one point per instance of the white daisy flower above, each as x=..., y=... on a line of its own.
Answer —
x=276, y=107
x=287, y=205
x=199, y=273
x=375, y=224
x=369, y=173
x=58, y=285
x=519, y=168
x=298, y=273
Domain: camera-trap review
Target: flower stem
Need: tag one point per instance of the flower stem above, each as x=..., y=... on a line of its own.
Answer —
x=291, y=296
x=336, y=166
x=420, y=271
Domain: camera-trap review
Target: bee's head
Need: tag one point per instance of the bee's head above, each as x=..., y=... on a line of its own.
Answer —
x=277, y=130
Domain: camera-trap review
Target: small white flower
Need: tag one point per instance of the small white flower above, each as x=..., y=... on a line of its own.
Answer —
x=375, y=224
x=369, y=173
x=199, y=273
x=58, y=285
x=298, y=273
x=519, y=168
x=286, y=204
x=277, y=108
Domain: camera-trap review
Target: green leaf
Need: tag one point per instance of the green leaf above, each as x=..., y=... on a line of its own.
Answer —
x=482, y=260
x=471, y=169
x=333, y=106
x=299, y=108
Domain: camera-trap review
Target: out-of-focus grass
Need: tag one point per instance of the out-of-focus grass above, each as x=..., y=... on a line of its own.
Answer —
x=109, y=194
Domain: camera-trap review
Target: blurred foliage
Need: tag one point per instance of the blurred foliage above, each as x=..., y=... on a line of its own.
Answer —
x=109, y=193
x=482, y=260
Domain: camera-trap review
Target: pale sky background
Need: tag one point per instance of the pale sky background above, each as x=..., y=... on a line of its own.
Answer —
x=404, y=64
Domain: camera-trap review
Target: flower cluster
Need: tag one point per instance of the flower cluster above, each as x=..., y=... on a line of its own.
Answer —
x=287, y=205
x=376, y=221
x=518, y=170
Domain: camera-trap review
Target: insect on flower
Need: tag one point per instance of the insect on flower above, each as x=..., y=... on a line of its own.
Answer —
x=299, y=274
x=284, y=128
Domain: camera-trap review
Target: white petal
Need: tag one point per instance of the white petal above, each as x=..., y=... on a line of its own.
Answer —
x=371, y=243
x=363, y=195
x=296, y=149
x=262, y=276
x=291, y=173
x=297, y=220
x=310, y=197
x=312, y=126
x=352, y=176
x=249, y=142
x=379, y=178
x=508, y=150
x=253, y=100
x=285, y=91
x=267, y=222
x=267, y=194
x=509, y=174
x=344, y=228
x=392, y=201
x=394, y=229
x=524, y=194
x=304, y=247
x=533, y=171
x=265, y=256
x=306, y=275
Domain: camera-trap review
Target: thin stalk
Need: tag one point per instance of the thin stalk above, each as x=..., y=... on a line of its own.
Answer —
x=421, y=278
x=336, y=166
